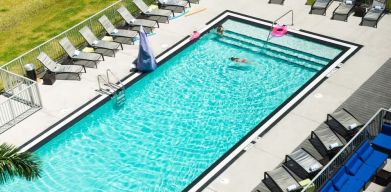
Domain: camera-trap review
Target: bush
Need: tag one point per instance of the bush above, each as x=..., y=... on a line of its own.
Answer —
x=310, y=2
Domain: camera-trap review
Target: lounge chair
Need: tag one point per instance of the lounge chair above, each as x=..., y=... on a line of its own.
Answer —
x=374, y=14
x=320, y=5
x=276, y=2
x=344, y=9
x=56, y=68
x=303, y=164
x=154, y=14
x=326, y=141
x=117, y=33
x=280, y=179
x=75, y=54
x=343, y=123
x=94, y=42
x=174, y=5
x=149, y=25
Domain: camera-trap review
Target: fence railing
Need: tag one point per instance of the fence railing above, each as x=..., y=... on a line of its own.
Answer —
x=55, y=51
x=369, y=131
x=20, y=99
x=20, y=96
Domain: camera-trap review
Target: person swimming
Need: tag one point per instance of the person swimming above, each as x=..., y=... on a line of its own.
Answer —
x=240, y=60
x=220, y=30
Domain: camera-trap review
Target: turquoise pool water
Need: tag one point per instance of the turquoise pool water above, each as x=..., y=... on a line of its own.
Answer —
x=181, y=118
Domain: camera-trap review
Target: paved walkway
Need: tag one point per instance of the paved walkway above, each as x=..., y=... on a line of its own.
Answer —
x=243, y=175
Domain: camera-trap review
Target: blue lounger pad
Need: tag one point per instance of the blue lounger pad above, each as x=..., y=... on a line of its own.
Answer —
x=386, y=129
x=328, y=187
x=371, y=156
x=382, y=141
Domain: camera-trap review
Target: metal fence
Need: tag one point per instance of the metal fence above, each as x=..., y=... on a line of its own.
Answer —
x=53, y=48
x=20, y=99
x=369, y=131
x=19, y=96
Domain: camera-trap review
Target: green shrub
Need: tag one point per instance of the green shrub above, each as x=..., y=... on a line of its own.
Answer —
x=310, y=2
x=54, y=50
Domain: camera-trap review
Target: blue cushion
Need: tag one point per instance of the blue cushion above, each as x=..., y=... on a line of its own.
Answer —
x=353, y=164
x=386, y=129
x=376, y=159
x=382, y=141
x=365, y=151
x=328, y=187
x=340, y=178
x=365, y=173
x=352, y=185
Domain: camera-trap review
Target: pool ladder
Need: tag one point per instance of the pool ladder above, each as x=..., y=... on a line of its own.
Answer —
x=275, y=22
x=116, y=90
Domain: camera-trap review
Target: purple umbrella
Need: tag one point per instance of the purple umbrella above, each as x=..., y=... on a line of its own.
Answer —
x=146, y=62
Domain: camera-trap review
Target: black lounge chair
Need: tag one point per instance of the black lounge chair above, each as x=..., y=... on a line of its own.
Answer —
x=303, y=164
x=343, y=123
x=280, y=179
x=320, y=5
x=374, y=14
x=281, y=2
x=77, y=55
x=326, y=141
x=94, y=42
x=117, y=34
x=56, y=68
x=177, y=6
x=148, y=25
x=344, y=9
x=154, y=14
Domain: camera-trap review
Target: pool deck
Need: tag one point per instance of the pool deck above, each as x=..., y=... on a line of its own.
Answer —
x=60, y=99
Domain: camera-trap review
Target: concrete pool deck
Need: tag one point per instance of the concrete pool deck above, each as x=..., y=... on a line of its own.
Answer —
x=246, y=172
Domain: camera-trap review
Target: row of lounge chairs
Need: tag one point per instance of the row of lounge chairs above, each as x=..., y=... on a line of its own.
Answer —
x=346, y=7
x=303, y=163
x=119, y=36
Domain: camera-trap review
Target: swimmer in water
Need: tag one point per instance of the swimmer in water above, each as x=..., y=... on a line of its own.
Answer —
x=240, y=60
x=220, y=30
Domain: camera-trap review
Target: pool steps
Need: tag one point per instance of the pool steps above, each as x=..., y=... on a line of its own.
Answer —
x=279, y=52
x=274, y=46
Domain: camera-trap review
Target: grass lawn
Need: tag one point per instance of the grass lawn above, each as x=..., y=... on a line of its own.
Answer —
x=26, y=24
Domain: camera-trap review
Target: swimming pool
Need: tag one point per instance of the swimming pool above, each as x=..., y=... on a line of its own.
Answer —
x=183, y=117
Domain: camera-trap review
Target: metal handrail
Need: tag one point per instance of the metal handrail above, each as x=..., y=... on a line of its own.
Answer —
x=275, y=21
x=108, y=72
x=348, y=146
x=100, y=78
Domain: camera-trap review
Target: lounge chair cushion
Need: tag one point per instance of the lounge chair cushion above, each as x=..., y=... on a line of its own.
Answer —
x=365, y=173
x=340, y=179
x=353, y=164
x=328, y=187
x=382, y=141
x=343, y=182
x=370, y=156
x=386, y=129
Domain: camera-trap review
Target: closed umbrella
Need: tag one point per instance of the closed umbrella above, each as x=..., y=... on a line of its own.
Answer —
x=146, y=61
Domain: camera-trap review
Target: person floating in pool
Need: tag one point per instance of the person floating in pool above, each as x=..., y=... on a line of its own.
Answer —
x=220, y=30
x=240, y=60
